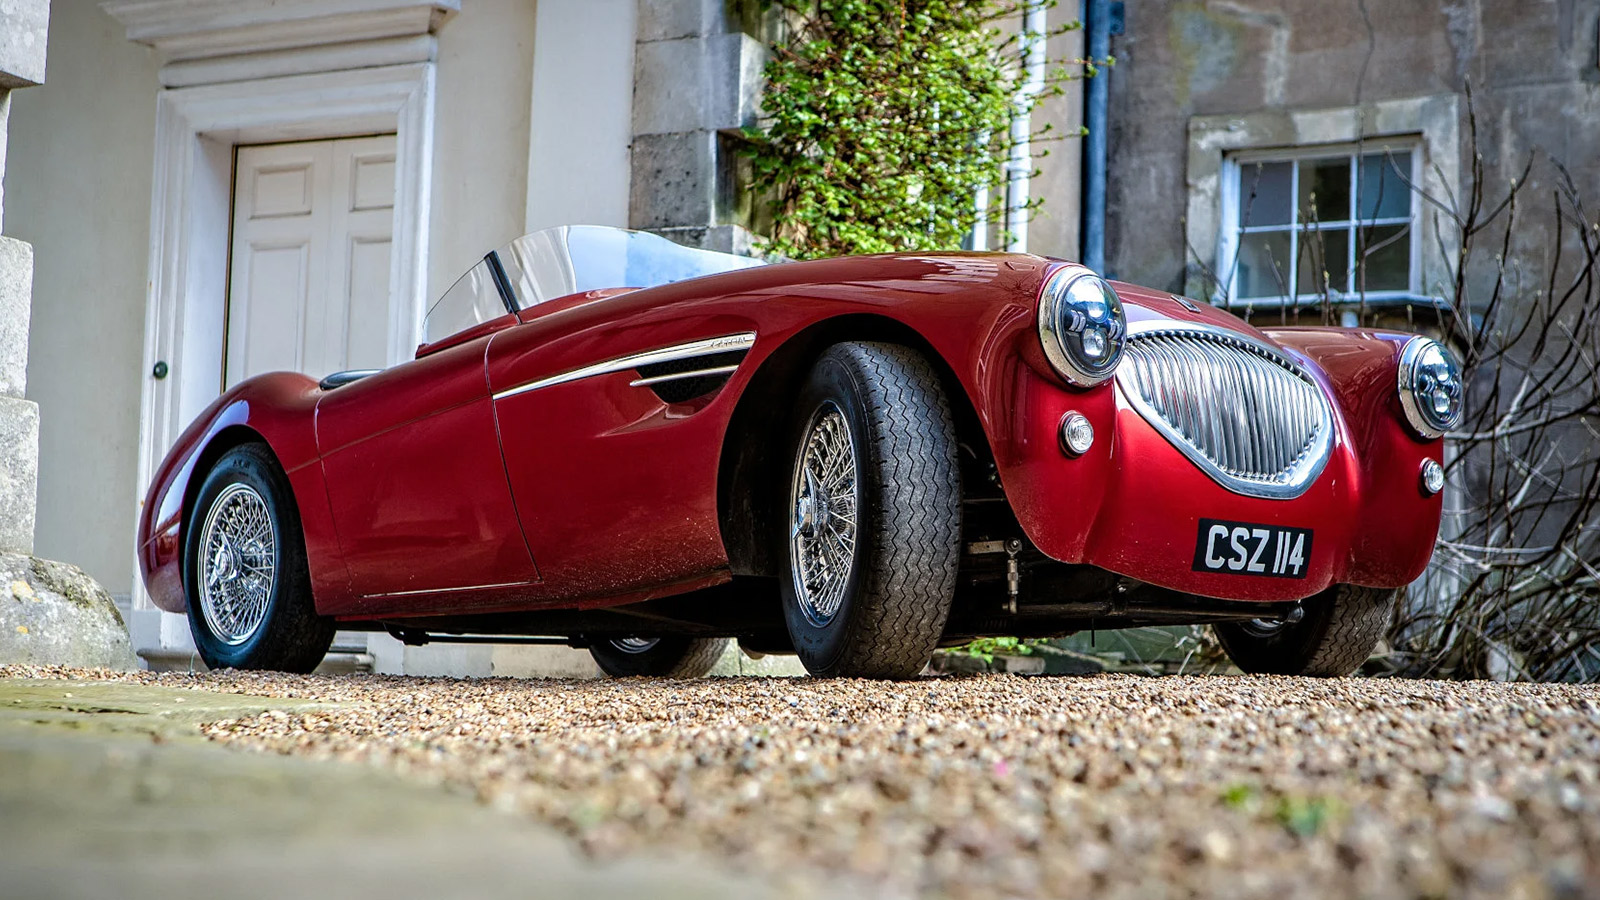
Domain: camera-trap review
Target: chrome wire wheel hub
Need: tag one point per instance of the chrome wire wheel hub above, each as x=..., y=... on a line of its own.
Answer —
x=823, y=498
x=1265, y=627
x=635, y=644
x=239, y=564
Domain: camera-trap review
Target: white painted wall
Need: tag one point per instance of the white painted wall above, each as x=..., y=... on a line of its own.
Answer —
x=480, y=148
x=78, y=189
x=578, y=151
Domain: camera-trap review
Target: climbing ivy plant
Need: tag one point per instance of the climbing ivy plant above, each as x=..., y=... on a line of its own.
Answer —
x=883, y=118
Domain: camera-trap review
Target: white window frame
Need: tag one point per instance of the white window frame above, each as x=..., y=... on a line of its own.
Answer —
x=1229, y=230
x=1432, y=120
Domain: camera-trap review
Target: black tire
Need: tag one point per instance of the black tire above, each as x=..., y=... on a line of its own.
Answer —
x=668, y=657
x=289, y=636
x=1340, y=628
x=891, y=611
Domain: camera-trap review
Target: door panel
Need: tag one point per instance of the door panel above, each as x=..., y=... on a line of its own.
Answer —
x=368, y=288
x=617, y=490
x=309, y=280
x=281, y=272
x=426, y=507
x=417, y=483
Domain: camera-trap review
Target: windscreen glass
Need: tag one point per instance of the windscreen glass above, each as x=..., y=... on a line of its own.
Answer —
x=571, y=259
x=472, y=300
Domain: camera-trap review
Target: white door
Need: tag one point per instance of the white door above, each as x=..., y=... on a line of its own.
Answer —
x=308, y=284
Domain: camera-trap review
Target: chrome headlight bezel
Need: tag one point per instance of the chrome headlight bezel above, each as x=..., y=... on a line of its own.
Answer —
x=1075, y=306
x=1426, y=369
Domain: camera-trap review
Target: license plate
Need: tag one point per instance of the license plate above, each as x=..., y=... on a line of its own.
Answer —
x=1243, y=548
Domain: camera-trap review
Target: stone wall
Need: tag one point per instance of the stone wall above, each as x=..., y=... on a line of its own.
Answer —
x=1532, y=67
x=23, y=26
x=697, y=82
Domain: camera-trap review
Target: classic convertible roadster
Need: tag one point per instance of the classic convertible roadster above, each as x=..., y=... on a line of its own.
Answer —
x=612, y=441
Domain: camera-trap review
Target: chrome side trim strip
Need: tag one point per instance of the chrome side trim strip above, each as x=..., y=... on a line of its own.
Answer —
x=706, y=347
x=453, y=590
x=678, y=376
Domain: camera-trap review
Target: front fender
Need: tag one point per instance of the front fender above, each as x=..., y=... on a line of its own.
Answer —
x=1133, y=503
x=1362, y=370
x=278, y=409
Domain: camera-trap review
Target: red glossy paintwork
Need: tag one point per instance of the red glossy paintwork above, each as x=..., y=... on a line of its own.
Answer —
x=278, y=408
x=594, y=492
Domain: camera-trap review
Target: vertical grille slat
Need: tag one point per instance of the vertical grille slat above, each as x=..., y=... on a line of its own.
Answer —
x=1244, y=412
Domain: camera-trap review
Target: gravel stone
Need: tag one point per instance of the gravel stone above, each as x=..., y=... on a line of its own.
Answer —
x=1002, y=786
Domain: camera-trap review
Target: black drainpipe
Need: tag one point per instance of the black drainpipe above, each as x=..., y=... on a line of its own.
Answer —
x=1101, y=19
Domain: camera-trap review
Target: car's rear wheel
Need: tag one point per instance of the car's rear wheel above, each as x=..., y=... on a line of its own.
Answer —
x=1338, y=632
x=245, y=572
x=873, y=516
x=666, y=657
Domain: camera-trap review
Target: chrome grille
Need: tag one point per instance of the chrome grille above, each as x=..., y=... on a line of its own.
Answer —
x=1243, y=412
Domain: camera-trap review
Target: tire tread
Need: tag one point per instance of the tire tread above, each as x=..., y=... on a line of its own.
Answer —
x=910, y=460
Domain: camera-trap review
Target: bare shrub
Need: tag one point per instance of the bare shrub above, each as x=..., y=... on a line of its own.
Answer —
x=1514, y=589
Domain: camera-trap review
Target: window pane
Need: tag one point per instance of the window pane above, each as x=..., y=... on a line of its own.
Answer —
x=1387, y=250
x=1384, y=192
x=1326, y=251
x=1264, y=194
x=1263, y=264
x=1325, y=190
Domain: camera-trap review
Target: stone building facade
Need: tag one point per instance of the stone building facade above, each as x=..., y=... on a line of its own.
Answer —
x=1214, y=104
x=171, y=133
x=196, y=173
x=23, y=30
x=184, y=175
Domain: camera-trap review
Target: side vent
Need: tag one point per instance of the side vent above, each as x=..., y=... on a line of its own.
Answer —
x=682, y=380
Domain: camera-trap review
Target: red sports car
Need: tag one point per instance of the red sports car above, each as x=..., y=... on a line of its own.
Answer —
x=612, y=441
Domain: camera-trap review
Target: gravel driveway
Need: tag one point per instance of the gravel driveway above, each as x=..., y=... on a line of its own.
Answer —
x=997, y=786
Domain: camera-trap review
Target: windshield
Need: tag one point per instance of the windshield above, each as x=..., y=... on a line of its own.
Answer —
x=569, y=259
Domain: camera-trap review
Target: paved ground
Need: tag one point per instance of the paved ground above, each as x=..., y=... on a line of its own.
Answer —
x=1113, y=786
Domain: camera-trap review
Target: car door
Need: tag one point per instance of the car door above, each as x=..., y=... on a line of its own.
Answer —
x=418, y=485
x=616, y=486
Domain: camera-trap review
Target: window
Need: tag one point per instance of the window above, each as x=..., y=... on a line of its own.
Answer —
x=1334, y=222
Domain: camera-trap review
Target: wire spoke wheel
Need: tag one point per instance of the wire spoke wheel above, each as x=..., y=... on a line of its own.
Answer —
x=824, y=497
x=635, y=644
x=239, y=564
x=870, y=531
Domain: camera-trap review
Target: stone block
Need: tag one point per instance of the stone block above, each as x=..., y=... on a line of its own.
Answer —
x=737, y=663
x=674, y=180
x=391, y=657
x=665, y=20
x=739, y=62
x=671, y=86
x=52, y=614
x=735, y=239
x=19, y=473
x=16, y=296
x=24, y=25
x=543, y=661
x=5, y=126
x=697, y=83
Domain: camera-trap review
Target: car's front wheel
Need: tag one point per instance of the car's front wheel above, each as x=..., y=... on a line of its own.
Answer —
x=873, y=516
x=1337, y=633
x=245, y=570
x=666, y=657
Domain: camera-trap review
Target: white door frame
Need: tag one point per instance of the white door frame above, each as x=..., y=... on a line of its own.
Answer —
x=185, y=312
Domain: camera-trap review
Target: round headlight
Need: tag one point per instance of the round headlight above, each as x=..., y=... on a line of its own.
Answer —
x=1430, y=387
x=1081, y=325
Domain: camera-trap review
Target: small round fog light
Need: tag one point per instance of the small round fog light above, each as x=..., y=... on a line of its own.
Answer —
x=1432, y=477
x=1077, y=435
